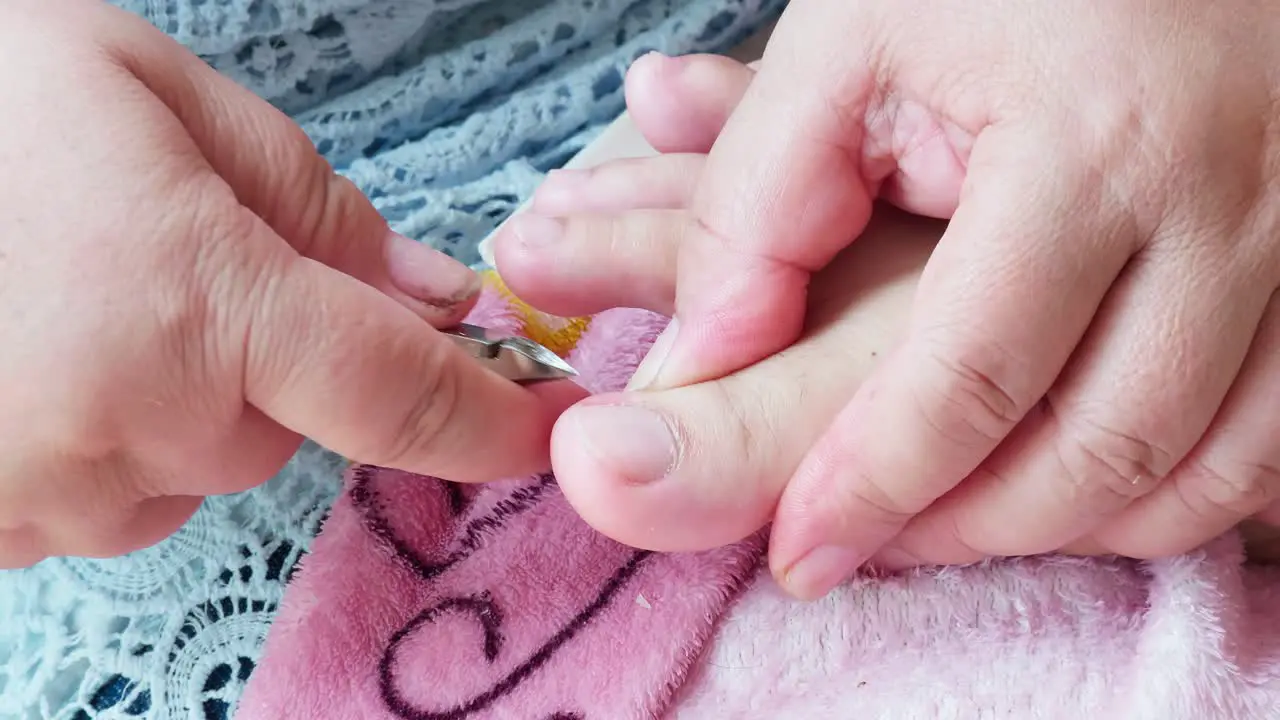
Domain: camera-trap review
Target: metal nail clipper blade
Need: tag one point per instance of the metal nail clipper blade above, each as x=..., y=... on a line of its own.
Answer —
x=514, y=358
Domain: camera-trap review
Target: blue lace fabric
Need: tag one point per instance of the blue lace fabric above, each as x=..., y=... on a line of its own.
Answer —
x=447, y=113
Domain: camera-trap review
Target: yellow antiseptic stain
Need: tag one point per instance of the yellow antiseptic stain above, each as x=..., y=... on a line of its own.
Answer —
x=557, y=334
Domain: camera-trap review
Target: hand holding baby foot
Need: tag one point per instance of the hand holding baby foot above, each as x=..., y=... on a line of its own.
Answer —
x=1107, y=269
x=187, y=289
x=1095, y=322
x=733, y=442
x=1193, y=505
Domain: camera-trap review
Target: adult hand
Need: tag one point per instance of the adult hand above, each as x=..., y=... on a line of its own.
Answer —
x=1213, y=487
x=186, y=289
x=747, y=431
x=774, y=410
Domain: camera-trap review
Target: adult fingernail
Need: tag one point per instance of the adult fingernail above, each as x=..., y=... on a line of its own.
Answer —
x=657, y=355
x=633, y=441
x=820, y=570
x=427, y=274
x=536, y=231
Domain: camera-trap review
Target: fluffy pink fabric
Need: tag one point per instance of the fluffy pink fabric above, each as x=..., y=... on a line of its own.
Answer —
x=1193, y=638
x=427, y=600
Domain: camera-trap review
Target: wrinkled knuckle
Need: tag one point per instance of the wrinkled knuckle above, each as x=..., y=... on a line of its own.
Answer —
x=333, y=217
x=863, y=499
x=216, y=229
x=987, y=539
x=419, y=430
x=272, y=330
x=965, y=545
x=300, y=209
x=203, y=215
x=873, y=501
x=968, y=404
x=1107, y=468
x=1241, y=489
x=204, y=314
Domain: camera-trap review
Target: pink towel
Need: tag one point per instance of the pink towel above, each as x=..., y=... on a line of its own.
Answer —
x=427, y=600
x=1193, y=638
x=422, y=599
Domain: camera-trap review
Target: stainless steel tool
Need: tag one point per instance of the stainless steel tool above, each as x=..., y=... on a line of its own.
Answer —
x=515, y=358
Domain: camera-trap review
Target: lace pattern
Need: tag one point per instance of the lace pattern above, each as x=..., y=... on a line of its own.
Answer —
x=168, y=631
x=447, y=113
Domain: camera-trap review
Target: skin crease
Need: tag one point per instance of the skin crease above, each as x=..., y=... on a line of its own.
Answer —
x=857, y=309
x=220, y=293
x=1096, y=323
x=186, y=289
x=682, y=511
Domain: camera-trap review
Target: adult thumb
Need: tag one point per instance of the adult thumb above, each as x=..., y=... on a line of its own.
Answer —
x=335, y=360
x=276, y=173
x=331, y=343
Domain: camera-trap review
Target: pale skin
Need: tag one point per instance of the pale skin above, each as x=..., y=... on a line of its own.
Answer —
x=187, y=290
x=619, y=236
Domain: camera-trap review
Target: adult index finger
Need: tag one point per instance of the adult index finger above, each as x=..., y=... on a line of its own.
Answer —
x=1002, y=304
x=782, y=193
